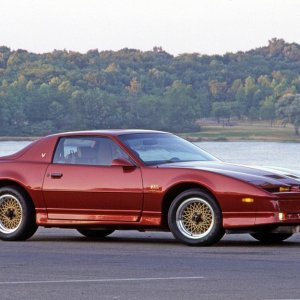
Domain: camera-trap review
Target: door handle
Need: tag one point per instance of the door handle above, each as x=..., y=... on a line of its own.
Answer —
x=56, y=175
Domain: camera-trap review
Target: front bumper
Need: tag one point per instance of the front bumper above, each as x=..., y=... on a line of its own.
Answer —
x=285, y=211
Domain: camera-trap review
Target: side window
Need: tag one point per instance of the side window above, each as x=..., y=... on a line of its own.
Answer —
x=87, y=151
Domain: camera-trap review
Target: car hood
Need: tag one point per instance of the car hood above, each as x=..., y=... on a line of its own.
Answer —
x=260, y=176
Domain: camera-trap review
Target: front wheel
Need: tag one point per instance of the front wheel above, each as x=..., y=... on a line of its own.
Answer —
x=95, y=233
x=17, y=215
x=270, y=237
x=195, y=218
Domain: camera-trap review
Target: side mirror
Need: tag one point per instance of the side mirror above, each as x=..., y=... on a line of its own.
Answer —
x=122, y=162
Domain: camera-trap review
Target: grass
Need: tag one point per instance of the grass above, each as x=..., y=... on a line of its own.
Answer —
x=258, y=131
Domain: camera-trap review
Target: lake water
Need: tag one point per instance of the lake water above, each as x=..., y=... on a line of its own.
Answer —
x=285, y=155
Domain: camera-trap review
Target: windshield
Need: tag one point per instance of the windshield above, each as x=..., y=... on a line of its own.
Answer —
x=162, y=148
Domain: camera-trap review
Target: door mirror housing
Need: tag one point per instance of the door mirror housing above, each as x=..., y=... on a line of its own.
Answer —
x=122, y=162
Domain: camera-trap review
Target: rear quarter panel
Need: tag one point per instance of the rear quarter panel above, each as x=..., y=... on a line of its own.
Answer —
x=28, y=167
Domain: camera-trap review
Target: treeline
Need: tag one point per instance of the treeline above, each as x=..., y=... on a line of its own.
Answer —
x=65, y=90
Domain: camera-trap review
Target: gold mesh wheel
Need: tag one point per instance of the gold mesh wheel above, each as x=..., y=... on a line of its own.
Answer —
x=195, y=218
x=10, y=213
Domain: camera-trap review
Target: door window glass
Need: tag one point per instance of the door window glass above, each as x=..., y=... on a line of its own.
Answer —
x=87, y=151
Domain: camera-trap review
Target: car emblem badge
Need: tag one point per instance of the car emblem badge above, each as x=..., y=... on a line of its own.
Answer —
x=43, y=155
x=154, y=187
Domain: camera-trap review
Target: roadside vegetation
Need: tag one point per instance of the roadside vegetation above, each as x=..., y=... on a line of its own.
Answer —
x=65, y=90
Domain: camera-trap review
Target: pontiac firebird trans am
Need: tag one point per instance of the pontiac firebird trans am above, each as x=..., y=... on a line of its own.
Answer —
x=101, y=181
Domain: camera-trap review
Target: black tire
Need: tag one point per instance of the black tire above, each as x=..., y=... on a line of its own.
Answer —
x=195, y=218
x=17, y=215
x=95, y=233
x=270, y=237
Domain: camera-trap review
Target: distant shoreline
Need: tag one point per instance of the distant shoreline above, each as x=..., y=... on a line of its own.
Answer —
x=184, y=135
x=232, y=140
x=17, y=138
x=244, y=131
x=259, y=131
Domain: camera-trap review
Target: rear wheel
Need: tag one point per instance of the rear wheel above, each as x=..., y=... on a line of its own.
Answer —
x=95, y=233
x=270, y=237
x=195, y=218
x=17, y=215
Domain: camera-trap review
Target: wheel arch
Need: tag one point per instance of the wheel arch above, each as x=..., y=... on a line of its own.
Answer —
x=12, y=183
x=175, y=190
x=26, y=220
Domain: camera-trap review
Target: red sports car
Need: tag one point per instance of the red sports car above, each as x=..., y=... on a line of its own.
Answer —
x=101, y=181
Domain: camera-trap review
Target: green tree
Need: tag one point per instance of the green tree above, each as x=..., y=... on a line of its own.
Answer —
x=180, y=108
x=217, y=89
x=268, y=110
x=288, y=109
x=221, y=110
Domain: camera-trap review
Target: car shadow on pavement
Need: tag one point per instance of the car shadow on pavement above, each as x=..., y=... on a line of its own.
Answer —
x=160, y=238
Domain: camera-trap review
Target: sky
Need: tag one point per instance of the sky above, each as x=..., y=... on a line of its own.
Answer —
x=178, y=26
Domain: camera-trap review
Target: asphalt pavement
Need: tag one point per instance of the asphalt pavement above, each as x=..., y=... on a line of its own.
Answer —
x=62, y=264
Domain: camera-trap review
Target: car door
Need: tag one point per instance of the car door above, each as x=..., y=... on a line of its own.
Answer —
x=81, y=183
